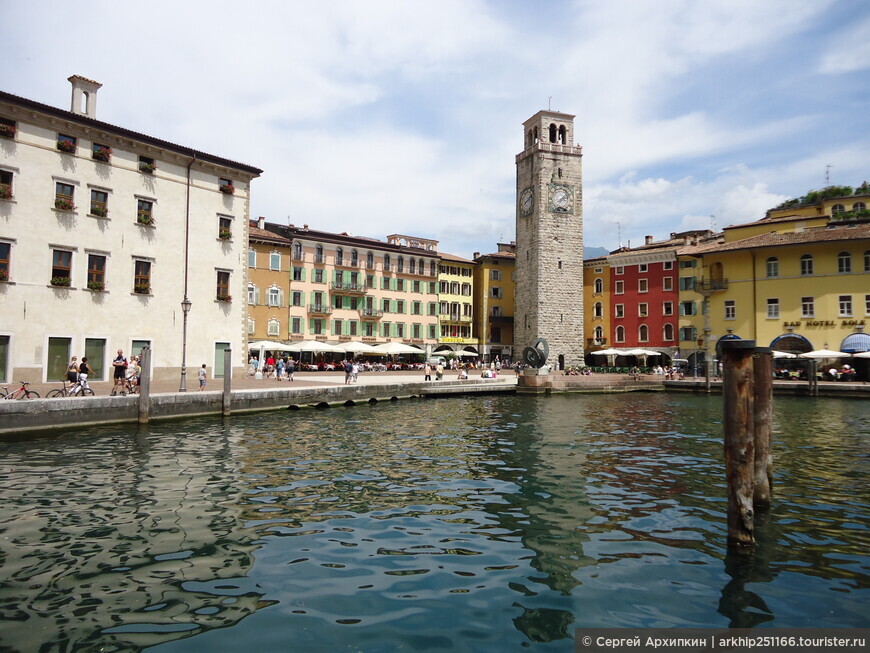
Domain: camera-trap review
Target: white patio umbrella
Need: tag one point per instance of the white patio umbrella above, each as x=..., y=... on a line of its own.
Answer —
x=824, y=353
x=783, y=354
x=607, y=352
x=640, y=352
x=357, y=348
x=393, y=348
x=311, y=345
x=466, y=353
x=863, y=354
x=269, y=345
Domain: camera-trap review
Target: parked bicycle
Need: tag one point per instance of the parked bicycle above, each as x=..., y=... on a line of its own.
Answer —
x=71, y=390
x=20, y=393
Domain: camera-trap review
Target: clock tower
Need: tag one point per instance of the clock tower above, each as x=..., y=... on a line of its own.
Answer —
x=549, y=221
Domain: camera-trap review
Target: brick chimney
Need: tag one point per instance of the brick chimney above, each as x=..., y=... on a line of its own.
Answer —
x=648, y=240
x=261, y=222
x=84, y=96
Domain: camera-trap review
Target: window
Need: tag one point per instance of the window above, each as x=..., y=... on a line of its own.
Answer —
x=412, y=266
x=643, y=267
x=619, y=287
x=222, y=286
x=400, y=306
x=642, y=309
x=772, y=267
x=687, y=283
x=806, y=264
x=385, y=329
x=337, y=327
x=415, y=286
x=495, y=275
x=297, y=251
x=496, y=292
x=495, y=311
x=417, y=308
x=385, y=305
x=400, y=285
x=688, y=334
x=667, y=308
x=252, y=326
x=58, y=356
x=226, y=186
x=66, y=143
x=296, y=325
x=96, y=272
x=273, y=296
x=643, y=333
x=859, y=206
x=5, y=256
x=370, y=261
x=142, y=277
x=274, y=327
x=253, y=293
x=808, y=307
x=867, y=261
x=63, y=196
x=669, y=265
x=432, y=269
x=147, y=165
x=730, y=309
x=598, y=310
x=352, y=324
x=668, y=332
x=619, y=310
x=5, y=184
x=318, y=276
x=620, y=334
x=100, y=152
x=145, y=212
x=686, y=264
x=668, y=284
x=339, y=256
x=354, y=258
x=275, y=261
x=386, y=261
x=297, y=274
x=7, y=130
x=773, y=308
x=337, y=301
x=618, y=270
x=252, y=258
x=844, y=262
x=837, y=208
x=225, y=228
x=688, y=308
x=400, y=329
x=318, y=254
x=599, y=286
x=866, y=304
x=599, y=333
x=61, y=267
x=845, y=305
x=99, y=203
x=400, y=265
x=296, y=298
x=385, y=283
x=317, y=327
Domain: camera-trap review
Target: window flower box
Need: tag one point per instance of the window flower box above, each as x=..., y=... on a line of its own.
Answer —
x=225, y=298
x=60, y=282
x=227, y=189
x=142, y=288
x=96, y=286
x=7, y=130
x=5, y=192
x=99, y=211
x=102, y=154
x=63, y=204
x=66, y=146
x=147, y=167
x=225, y=234
x=145, y=218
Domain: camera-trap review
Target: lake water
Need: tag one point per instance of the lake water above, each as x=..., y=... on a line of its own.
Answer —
x=476, y=524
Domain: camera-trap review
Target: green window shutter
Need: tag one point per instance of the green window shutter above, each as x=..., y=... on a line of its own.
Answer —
x=303, y=274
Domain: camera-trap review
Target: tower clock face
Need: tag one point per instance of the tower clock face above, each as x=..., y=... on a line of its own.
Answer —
x=561, y=199
x=527, y=200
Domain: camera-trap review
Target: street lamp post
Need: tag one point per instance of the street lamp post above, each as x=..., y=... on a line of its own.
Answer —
x=185, y=309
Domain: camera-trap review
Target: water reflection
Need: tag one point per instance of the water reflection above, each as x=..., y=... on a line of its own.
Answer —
x=484, y=524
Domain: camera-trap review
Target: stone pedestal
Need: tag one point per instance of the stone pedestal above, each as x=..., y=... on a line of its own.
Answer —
x=535, y=380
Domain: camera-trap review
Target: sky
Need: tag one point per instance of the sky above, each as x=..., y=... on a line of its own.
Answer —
x=379, y=117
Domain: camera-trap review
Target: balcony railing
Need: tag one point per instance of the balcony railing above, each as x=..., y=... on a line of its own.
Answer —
x=319, y=309
x=370, y=314
x=318, y=258
x=350, y=288
x=714, y=285
x=596, y=342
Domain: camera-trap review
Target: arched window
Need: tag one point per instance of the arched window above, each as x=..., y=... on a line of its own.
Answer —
x=643, y=333
x=773, y=267
x=536, y=134
x=806, y=264
x=318, y=254
x=412, y=266
x=669, y=332
x=859, y=206
x=422, y=266
x=620, y=334
x=400, y=264
x=433, y=268
x=563, y=135
x=354, y=258
x=552, y=133
x=599, y=333
x=387, y=262
x=844, y=262
x=530, y=139
x=370, y=261
x=837, y=208
x=297, y=251
x=598, y=310
x=599, y=286
x=339, y=256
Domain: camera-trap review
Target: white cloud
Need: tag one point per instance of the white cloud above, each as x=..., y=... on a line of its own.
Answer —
x=850, y=52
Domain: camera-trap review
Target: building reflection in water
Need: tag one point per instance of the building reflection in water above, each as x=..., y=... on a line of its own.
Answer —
x=135, y=543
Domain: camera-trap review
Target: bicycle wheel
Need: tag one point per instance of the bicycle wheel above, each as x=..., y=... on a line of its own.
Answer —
x=87, y=392
x=54, y=394
x=31, y=394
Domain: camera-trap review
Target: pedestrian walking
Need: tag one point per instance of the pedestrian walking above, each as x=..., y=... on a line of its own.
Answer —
x=203, y=376
x=427, y=371
x=72, y=370
x=84, y=371
x=291, y=367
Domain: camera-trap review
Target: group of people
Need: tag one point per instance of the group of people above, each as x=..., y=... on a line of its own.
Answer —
x=281, y=368
x=125, y=375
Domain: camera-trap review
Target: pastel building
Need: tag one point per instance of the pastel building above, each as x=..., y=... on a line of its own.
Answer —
x=113, y=239
x=456, y=307
x=268, y=293
x=495, y=287
x=596, y=299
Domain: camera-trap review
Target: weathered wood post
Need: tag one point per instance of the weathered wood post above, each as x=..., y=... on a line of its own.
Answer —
x=763, y=472
x=228, y=381
x=738, y=392
x=145, y=386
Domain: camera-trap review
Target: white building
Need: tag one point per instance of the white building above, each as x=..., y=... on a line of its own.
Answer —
x=103, y=233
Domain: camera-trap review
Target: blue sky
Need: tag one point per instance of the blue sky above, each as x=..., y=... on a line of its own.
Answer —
x=375, y=117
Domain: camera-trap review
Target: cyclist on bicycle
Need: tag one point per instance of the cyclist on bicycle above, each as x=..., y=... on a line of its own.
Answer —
x=84, y=370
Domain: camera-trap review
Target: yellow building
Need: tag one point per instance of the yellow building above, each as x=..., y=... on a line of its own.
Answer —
x=456, y=307
x=596, y=304
x=269, y=265
x=495, y=285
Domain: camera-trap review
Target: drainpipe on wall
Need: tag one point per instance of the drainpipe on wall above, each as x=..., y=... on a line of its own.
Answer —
x=185, y=302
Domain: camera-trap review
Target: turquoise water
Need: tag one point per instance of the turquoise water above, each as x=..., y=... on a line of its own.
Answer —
x=478, y=524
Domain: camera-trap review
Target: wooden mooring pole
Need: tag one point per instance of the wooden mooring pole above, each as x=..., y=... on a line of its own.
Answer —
x=226, y=399
x=738, y=389
x=763, y=468
x=144, y=412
